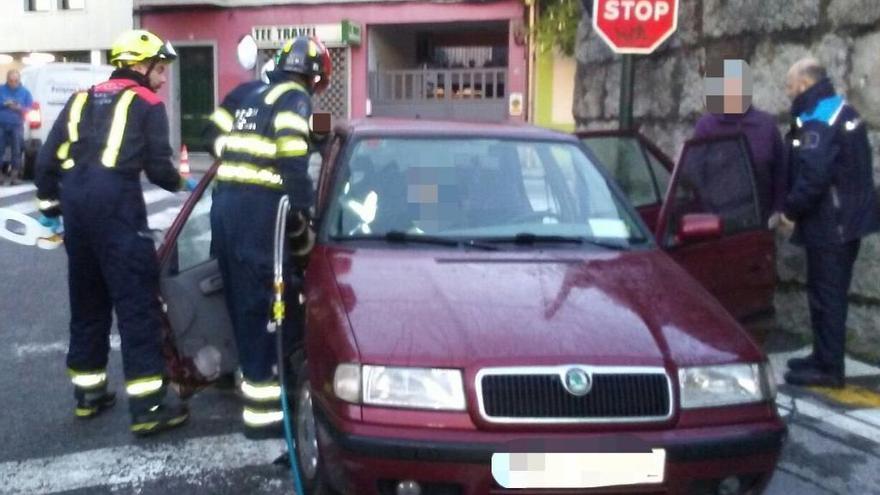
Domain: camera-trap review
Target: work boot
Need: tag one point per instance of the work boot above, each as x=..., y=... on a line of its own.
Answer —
x=159, y=418
x=804, y=363
x=815, y=377
x=91, y=404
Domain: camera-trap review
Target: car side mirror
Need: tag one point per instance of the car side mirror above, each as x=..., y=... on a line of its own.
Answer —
x=697, y=227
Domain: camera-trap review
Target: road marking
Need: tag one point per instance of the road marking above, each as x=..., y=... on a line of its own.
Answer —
x=131, y=466
x=6, y=192
x=163, y=219
x=25, y=350
x=851, y=395
x=850, y=424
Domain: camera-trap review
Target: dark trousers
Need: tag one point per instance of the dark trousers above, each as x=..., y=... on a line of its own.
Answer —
x=112, y=265
x=829, y=274
x=11, y=136
x=242, y=227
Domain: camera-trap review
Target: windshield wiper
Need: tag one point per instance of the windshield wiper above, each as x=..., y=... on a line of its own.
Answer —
x=528, y=238
x=398, y=236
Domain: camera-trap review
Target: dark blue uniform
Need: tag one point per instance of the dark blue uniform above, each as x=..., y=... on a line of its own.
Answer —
x=263, y=133
x=89, y=170
x=833, y=202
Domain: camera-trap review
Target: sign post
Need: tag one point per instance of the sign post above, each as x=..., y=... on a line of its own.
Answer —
x=633, y=27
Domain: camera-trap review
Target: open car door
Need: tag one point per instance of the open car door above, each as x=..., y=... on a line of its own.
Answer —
x=638, y=166
x=198, y=340
x=711, y=224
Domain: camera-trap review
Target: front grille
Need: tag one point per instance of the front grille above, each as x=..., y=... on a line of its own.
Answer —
x=615, y=396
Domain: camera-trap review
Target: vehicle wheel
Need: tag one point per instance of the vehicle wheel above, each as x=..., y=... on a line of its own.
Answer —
x=305, y=433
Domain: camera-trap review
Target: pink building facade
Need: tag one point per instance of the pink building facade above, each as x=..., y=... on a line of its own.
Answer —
x=458, y=60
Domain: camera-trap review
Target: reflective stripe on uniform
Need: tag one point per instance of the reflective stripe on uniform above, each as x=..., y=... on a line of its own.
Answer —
x=282, y=88
x=223, y=119
x=117, y=129
x=63, y=151
x=75, y=116
x=261, y=391
x=46, y=204
x=258, y=418
x=144, y=386
x=67, y=164
x=219, y=144
x=290, y=120
x=90, y=379
x=292, y=146
x=252, y=144
x=249, y=174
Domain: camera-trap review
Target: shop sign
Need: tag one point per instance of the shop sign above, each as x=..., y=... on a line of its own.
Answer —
x=345, y=33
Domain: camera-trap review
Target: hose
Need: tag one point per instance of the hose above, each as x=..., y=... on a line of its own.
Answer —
x=276, y=326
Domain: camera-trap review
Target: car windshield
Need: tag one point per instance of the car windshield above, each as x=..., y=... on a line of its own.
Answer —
x=469, y=188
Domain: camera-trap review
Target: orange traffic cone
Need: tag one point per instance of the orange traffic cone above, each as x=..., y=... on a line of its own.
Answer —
x=184, y=161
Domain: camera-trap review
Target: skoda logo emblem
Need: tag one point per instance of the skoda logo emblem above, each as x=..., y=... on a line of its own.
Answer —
x=577, y=382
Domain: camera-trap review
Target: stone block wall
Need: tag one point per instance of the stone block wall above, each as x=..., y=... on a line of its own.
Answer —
x=770, y=35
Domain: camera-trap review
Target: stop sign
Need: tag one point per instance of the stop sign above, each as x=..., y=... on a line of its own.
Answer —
x=635, y=26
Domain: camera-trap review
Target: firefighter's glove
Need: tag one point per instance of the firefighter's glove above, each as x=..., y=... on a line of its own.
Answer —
x=191, y=184
x=51, y=223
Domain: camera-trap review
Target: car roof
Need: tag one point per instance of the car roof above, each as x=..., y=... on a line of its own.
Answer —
x=378, y=127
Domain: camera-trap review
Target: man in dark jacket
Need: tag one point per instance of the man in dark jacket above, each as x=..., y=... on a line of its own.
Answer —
x=831, y=204
x=728, y=116
x=89, y=170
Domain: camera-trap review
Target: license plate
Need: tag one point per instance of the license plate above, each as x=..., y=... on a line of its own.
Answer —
x=578, y=470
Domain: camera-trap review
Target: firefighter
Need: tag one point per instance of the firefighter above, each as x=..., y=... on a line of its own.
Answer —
x=89, y=170
x=264, y=144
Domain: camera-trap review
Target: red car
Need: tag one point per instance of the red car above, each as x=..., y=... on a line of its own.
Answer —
x=487, y=313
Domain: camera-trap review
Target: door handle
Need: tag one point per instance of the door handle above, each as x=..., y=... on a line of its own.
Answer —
x=211, y=285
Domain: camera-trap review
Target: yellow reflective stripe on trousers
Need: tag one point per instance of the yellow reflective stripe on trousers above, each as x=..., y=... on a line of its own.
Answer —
x=223, y=119
x=249, y=174
x=75, y=116
x=261, y=391
x=292, y=146
x=89, y=379
x=144, y=386
x=253, y=417
x=290, y=120
x=282, y=88
x=117, y=129
x=63, y=151
x=252, y=144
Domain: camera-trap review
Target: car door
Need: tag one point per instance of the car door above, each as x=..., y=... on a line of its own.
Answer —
x=638, y=166
x=198, y=339
x=715, y=176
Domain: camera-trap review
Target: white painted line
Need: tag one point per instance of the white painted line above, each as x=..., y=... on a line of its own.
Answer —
x=29, y=205
x=163, y=219
x=871, y=416
x=132, y=466
x=157, y=194
x=853, y=425
x=6, y=192
x=25, y=350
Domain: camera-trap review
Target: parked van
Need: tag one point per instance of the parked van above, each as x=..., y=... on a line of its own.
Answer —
x=51, y=86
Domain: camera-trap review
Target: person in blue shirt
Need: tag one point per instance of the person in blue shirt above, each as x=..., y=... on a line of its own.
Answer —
x=15, y=100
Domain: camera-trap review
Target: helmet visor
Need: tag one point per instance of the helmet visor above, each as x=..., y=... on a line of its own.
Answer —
x=167, y=52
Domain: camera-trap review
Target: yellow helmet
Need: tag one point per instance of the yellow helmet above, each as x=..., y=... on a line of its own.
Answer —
x=137, y=45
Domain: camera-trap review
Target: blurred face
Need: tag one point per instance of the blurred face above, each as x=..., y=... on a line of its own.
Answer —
x=13, y=79
x=156, y=78
x=794, y=85
x=728, y=86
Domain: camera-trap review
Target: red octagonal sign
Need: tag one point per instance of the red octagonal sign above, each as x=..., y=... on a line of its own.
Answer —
x=635, y=26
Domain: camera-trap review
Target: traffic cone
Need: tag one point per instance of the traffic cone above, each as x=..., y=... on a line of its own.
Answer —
x=184, y=161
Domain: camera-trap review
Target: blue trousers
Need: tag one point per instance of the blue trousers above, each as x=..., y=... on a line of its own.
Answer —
x=242, y=233
x=11, y=136
x=112, y=266
x=829, y=274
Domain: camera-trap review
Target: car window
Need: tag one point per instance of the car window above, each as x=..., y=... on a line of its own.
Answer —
x=475, y=188
x=623, y=157
x=661, y=173
x=194, y=240
x=715, y=177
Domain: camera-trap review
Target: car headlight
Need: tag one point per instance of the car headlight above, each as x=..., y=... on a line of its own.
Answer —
x=421, y=388
x=347, y=382
x=725, y=385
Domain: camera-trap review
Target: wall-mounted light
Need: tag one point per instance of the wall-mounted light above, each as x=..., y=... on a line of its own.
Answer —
x=5, y=59
x=38, y=58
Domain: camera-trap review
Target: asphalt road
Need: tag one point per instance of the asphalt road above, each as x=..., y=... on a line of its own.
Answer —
x=831, y=449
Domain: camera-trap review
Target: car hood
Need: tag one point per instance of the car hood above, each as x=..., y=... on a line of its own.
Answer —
x=426, y=307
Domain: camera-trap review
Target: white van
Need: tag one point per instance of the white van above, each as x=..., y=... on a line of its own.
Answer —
x=51, y=86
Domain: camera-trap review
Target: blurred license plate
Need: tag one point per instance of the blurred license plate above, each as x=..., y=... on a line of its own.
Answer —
x=578, y=470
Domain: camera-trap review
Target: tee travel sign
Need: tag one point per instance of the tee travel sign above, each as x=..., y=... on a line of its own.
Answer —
x=635, y=26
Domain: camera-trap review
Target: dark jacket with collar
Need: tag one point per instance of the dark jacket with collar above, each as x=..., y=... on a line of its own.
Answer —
x=831, y=194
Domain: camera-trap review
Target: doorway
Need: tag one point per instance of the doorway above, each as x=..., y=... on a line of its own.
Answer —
x=196, y=65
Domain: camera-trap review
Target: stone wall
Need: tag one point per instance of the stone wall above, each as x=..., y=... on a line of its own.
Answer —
x=770, y=35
